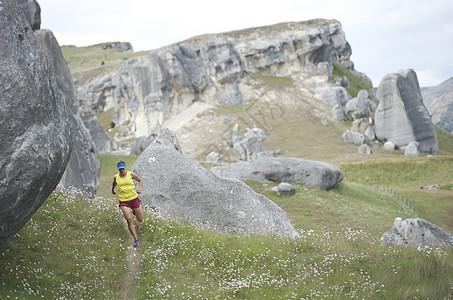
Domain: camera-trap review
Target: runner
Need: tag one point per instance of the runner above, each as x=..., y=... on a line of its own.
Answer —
x=128, y=196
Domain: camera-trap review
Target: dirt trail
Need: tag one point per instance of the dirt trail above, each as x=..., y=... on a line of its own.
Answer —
x=128, y=282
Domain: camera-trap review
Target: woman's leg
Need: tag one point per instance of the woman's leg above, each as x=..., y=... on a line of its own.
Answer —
x=130, y=222
x=138, y=213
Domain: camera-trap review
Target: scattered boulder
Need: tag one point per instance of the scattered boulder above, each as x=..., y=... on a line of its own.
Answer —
x=358, y=108
x=35, y=134
x=355, y=138
x=389, y=146
x=84, y=166
x=256, y=132
x=365, y=149
x=338, y=113
x=412, y=149
x=314, y=174
x=417, y=233
x=401, y=116
x=370, y=132
x=360, y=125
x=181, y=189
x=284, y=189
x=250, y=147
x=214, y=157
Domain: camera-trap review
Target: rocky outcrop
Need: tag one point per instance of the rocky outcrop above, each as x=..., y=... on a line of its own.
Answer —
x=213, y=69
x=84, y=165
x=439, y=102
x=32, y=12
x=401, y=116
x=417, y=233
x=35, y=131
x=314, y=174
x=182, y=189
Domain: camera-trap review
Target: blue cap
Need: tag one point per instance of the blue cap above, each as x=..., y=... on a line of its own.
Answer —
x=121, y=166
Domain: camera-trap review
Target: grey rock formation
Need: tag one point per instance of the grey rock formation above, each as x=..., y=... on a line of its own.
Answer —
x=355, y=138
x=417, y=233
x=35, y=131
x=314, y=174
x=182, y=189
x=358, y=108
x=401, y=116
x=284, y=189
x=256, y=132
x=124, y=46
x=338, y=113
x=413, y=149
x=83, y=168
x=32, y=12
x=439, y=102
x=247, y=148
x=370, y=132
x=97, y=132
x=140, y=144
x=212, y=69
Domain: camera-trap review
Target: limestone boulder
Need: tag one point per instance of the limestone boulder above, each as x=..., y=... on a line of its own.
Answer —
x=35, y=133
x=389, y=146
x=32, y=12
x=314, y=174
x=355, y=138
x=181, y=189
x=284, y=189
x=417, y=232
x=401, y=116
x=84, y=166
x=413, y=149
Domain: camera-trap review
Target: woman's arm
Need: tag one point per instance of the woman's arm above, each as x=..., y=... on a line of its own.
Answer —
x=140, y=182
x=114, y=185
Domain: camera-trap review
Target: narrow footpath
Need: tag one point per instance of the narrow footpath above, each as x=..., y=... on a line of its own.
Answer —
x=126, y=289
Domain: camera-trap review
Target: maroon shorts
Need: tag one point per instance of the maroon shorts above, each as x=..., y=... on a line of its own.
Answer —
x=135, y=203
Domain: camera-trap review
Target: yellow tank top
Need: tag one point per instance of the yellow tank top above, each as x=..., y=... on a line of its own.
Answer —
x=126, y=187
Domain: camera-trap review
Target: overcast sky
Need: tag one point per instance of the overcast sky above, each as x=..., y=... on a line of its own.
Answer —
x=385, y=35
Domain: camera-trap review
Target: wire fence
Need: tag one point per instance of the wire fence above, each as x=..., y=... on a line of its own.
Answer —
x=403, y=200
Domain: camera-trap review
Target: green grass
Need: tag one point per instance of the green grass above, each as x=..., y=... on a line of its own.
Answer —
x=70, y=248
x=87, y=63
x=355, y=83
x=337, y=257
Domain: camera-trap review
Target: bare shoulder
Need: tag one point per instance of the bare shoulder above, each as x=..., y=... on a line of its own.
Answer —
x=135, y=176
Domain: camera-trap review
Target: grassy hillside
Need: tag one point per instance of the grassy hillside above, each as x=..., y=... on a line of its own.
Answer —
x=74, y=248
x=87, y=63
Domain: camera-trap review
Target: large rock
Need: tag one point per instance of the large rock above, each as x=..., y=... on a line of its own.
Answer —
x=182, y=189
x=417, y=233
x=314, y=174
x=84, y=166
x=401, y=116
x=439, y=103
x=35, y=130
x=32, y=12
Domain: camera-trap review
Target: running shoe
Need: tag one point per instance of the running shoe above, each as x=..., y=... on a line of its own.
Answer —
x=136, y=243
